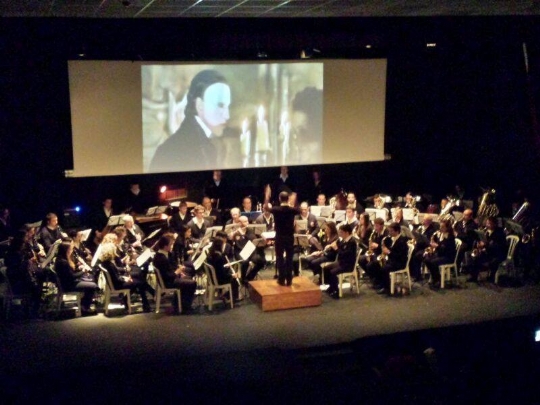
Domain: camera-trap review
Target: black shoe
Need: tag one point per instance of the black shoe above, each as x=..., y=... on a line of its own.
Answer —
x=334, y=295
x=275, y=276
x=289, y=282
x=282, y=283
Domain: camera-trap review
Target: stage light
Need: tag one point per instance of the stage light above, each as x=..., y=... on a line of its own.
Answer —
x=537, y=336
x=431, y=45
x=163, y=189
x=78, y=209
x=368, y=46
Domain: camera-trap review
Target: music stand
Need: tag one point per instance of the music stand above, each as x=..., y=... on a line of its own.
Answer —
x=300, y=225
x=339, y=215
x=326, y=211
x=115, y=220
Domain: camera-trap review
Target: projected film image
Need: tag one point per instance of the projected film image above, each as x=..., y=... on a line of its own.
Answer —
x=204, y=117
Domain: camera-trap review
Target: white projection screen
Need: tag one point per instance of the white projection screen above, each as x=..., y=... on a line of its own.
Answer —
x=142, y=117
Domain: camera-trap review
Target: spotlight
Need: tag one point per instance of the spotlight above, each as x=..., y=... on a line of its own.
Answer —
x=368, y=46
x=537, y=336
x=162, y=189
x=431, y=45
x=78, y=209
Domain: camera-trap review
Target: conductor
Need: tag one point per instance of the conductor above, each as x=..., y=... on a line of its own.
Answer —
x=284, y=241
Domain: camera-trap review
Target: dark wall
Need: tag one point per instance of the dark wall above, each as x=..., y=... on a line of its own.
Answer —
x=458, y=113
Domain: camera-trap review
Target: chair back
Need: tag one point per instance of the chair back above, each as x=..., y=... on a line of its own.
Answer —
x=108, y=278
x=159, y=279
x=512, y=243
x=210, y=273
x=409, y=254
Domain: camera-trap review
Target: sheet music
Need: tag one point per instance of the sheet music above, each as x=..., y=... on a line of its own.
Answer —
x=96, y=256
x=52, y=252
x=301, y=240
x=85, y=234
x=376, y=213
x=211, y=231
x=154, y=233
x=147, y=254
x=161, y=209
x=115, y=220
x=269, y=235
x=409, y=214
x=259, y=242
x=301, y=224
x=175, y=204
x=316, y=210
x=339, y=215
x=248, y=250
x=326, y=211
x=151, y=211
x=200, y=260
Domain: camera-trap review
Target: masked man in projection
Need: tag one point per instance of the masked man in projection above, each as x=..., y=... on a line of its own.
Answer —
x=206, y=114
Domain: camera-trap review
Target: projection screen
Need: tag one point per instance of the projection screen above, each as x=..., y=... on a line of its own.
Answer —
x=141, y=117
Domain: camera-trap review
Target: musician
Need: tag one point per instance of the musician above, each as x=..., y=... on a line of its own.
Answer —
x=410, y=201
x=423, y=236
x=292, y=201
x=198, y=224
x=206, y=115
x=134, y=200
x=353, y=203
x=228, y=250
x=444, y=251
x=316, y=187
x=22, y=270
x=218, y=190
x=100, y=217
x=183, y=246
x=210, y=213
x=489, y=253
x=134, y=233
x=247, y=204
x=346, y=258
x=311, y=221
x=396, y=252
x=51, y=232
x=363, y=231
x=375, y=244
x=173, y=275
x=378, y=202
x=321, y=200
x=465, y=230
x=398, y=217
x=240, y=236
x=218, y=259
x=71, y=278
x=120, y=282
x=266, y=218
x=284, y=182
x=326, y=253
x=350, y=218
x=284, y=243
x=79, y=248
x=180, y=218
x=235, y=217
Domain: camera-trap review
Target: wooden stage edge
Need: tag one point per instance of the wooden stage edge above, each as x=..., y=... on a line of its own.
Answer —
x=271, y=296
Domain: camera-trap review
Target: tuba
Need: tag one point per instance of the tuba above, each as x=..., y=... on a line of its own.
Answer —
x=488, y=206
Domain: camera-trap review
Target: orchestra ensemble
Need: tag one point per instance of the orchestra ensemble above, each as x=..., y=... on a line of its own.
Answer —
x=325, y=235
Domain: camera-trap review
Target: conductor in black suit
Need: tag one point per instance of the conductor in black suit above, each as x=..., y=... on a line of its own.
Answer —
x=206, y=113
x=284, y=241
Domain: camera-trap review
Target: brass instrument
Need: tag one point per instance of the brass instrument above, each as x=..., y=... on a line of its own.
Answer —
x=382, y=258
x=478, y=247
x=370, y=253
x=435, y=238
x=488, y=207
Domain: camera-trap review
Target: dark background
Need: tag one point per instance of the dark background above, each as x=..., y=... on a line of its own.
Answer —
x=462, y=112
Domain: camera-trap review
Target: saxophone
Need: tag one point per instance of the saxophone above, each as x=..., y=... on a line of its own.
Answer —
x=370, y=253
x=382, y=258
x=434, y=238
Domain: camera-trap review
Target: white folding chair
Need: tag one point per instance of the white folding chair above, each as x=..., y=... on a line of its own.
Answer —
x=400, y=273
x=110, y=291
x=161, y=289
x=352, y=276
x=507, y=265
x=446, y=269
x=213, y=286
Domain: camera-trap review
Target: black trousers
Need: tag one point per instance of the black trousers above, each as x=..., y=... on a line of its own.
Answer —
x=284, y=257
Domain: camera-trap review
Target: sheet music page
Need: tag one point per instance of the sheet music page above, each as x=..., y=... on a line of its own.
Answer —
x=96, y=256
x=151, y=211
x=408, y=214
x=86, y=234
x=200, y=260
x=326, y=211
x=115, y=220
x=247, y=250
x=315, y=210
x=269, y=235
x=154, y=233
x=147, y=254
x=339, y=215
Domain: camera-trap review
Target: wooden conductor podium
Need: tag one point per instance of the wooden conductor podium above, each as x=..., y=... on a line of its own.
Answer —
x=271, y=296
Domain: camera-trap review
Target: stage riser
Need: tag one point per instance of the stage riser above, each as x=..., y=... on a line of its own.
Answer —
x=270, y=296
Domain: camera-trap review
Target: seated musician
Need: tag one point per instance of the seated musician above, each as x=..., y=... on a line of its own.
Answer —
x=321, y=200
x=423, y=236
x=198, y=224
x=51, y=232
x=345, y=247
x=100, y=219
x=173, y=275
x=266, y=218
x=374, y=244
x=79, y=247
x=180, y=218
x=22, y=270
x=326, y=254
x=247, y=205
x=134, y=233
x=395, y=252
x=239, y=237
x=210, y=213
x=443, y=244
x=71, y=278
x=217, y=257
x=489, y=254
x=183, y=246
x=363, y=231
x=380, y=204
x=235, y=217
x=353, y=203
x=410, y=201
x=465, y=230
x=350, y=218
x=312, y=225
x=120, y=281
